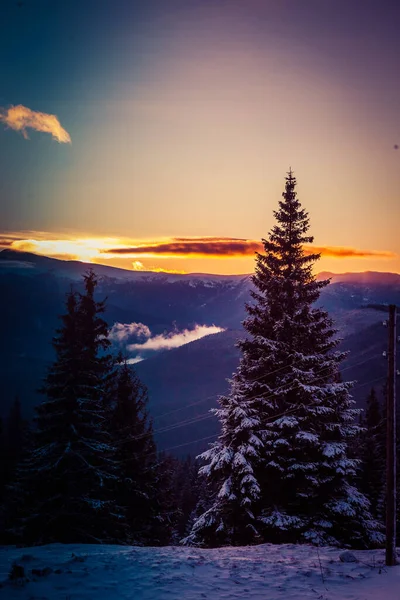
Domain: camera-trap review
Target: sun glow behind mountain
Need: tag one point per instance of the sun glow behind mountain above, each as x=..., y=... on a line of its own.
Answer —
x=220, y=255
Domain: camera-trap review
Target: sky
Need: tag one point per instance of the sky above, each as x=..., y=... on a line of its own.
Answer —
x=156, y=134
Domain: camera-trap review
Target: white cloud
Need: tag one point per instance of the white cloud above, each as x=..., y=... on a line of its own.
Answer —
x=175, y=339
x=135, y=360
x=121, y=332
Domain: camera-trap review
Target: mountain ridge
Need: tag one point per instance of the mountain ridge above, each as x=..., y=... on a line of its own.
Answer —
x=20, y=256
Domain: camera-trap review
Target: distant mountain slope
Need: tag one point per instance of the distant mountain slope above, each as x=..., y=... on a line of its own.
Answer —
x=184, y=384
x=365, y=363
x=28, y=263
x=364, y=277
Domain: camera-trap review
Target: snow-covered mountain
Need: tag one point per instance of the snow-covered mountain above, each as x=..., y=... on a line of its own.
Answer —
x=156, y=315
x=29, y=263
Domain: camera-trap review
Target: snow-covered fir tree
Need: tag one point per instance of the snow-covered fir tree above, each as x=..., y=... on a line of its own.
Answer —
x=64, y=485
x=280, y=466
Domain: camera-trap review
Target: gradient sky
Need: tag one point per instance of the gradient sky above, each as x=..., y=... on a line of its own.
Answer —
x=184, y=116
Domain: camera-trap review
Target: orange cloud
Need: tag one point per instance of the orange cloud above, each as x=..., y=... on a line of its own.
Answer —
x=344, y=252
x=208, y=246
x=20, y=118
x=231, y=247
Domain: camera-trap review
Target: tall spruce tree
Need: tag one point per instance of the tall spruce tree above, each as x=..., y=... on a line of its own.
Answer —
x=132, y=435
x=66, y=482
x=280, y=464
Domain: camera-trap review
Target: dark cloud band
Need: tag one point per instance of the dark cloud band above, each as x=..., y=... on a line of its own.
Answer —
x=229, y=247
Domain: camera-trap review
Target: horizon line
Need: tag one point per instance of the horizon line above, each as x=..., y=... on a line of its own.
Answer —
x=180, y=274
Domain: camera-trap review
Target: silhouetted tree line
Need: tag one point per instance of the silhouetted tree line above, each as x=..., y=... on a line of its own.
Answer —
x=88, y=470
x=14, y=438
x=371, y=451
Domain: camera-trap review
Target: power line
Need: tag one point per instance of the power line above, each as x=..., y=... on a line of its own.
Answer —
x=202, y=417
x=267, y=420
x=207, y=415
x=255, y=381
x=208, y=437
x=272, y=418
x=217, y=395
x=290, y=411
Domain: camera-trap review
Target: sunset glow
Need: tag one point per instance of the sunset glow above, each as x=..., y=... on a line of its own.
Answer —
x=175, y=255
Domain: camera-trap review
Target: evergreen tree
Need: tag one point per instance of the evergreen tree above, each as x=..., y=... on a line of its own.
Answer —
x=281, y=463
x=372, y=455
x=204, y=491
x=2, y=479
x=132, y=435
x=67, y=479
x=187, y=492
x=170, y=512
x=17, y=449
x=2, y=459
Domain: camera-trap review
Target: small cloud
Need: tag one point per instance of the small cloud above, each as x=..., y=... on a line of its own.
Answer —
x=137, y=266
x=134, y=361
x=21, y=118
x=344, y=252
x=175, y=339
x=121, y=332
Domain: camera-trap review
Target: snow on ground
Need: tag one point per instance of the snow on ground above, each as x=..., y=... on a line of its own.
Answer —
x=265, y=572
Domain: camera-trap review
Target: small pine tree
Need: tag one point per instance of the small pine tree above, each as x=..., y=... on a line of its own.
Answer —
x=3, y=456
x=204, y=495
x=170, y=511
x=132, y=435
x=281, y=462
x=188, y=485
x=67, y=479
x=14, y=435
x=17, y=447
x=372, y=455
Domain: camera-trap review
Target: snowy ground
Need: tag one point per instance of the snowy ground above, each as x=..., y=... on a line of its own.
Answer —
x=266, y=572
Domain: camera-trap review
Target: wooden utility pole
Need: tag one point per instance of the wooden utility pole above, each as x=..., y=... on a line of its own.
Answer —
x=391, y=443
